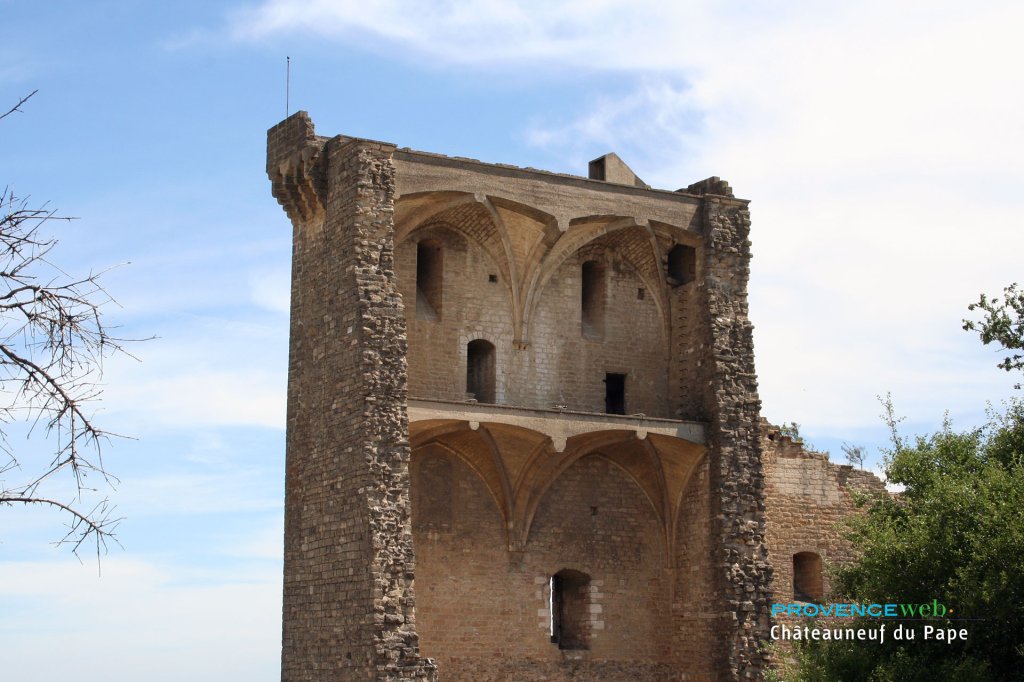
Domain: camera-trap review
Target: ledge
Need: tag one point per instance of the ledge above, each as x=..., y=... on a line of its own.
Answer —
x=559, y=424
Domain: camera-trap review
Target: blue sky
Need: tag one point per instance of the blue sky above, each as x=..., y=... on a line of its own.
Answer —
x=881, y=145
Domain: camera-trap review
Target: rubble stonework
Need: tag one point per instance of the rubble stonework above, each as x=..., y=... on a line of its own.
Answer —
x=809, y=500
x=737, y=473
x=532, y=398
x=348, y=599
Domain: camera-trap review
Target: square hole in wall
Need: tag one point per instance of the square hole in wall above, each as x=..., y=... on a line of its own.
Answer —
x=492, y=278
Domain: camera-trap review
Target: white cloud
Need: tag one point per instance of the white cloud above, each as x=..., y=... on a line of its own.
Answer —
x=199, y=396
x=881, y=143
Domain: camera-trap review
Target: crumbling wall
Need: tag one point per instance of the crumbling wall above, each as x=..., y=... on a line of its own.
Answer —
x=348, y=597
x=665, y=601
x=808, y=498
x=740, y=563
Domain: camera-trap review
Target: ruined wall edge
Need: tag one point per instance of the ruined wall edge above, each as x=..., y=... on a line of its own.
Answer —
x=349, y=607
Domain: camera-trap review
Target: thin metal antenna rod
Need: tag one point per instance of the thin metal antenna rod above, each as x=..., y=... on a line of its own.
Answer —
x=287, y=86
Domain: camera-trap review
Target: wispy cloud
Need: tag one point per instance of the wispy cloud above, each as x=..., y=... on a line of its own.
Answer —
x=879, y=141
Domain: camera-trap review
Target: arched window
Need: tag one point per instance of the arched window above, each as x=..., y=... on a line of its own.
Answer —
x=592, y=299
x=429, y=279
x=807, y=582
x=682, y=265
x=480, y=367
x=570, y=609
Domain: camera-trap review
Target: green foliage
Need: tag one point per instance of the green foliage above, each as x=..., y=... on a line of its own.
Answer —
x=955, y=534
x=1003, y=323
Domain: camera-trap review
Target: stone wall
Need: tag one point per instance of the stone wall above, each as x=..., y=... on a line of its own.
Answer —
x=484, y=612
x=740, y=565
x=348, y=599
x=808, y=498
x=666, y=530
x=695, y=611
x=561, y=366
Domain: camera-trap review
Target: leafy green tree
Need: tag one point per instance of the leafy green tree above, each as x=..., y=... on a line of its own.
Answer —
x=954, y=534
x=1003, y=323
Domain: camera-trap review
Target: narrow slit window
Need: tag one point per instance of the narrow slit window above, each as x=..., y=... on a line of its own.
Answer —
x=480, y=371
x=429, y=280
x=569, y=602
x=615, y=393
x=592, y=299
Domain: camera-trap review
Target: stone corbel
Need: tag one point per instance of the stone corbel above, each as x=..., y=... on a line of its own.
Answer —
x=300, y=184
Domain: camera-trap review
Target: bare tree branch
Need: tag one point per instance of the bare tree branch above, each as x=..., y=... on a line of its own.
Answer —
x=53, y=342
x=17, y=107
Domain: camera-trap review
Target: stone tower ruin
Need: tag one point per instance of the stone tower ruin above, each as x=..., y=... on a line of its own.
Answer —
x=523, y=423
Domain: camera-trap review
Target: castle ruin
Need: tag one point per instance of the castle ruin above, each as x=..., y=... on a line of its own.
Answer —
x=524, y=437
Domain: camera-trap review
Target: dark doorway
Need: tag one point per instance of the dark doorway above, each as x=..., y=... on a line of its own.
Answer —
x=429, y=280
x=570, y=609
x=615, y=393
x=480, y=370
x=807, y=580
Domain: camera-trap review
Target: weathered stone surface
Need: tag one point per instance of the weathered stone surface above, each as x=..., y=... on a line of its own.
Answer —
x=809, y=498
x=348, y=603
x=511, y=310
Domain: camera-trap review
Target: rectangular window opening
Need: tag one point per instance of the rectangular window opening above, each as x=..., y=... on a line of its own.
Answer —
x=569, y=606
x=592, y=296
x=615, y=393
x=429, y=275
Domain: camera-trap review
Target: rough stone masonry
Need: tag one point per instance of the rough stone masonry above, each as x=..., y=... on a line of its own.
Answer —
x=524, y=437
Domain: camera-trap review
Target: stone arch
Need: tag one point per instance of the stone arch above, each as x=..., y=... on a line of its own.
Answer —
x=470, y=304
x=454, y=561
x=595, y=520
x=620, y=448
x=633, y=243
x=586, y=348
x=475, y=447
x=566, y=245
x=472, y=215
